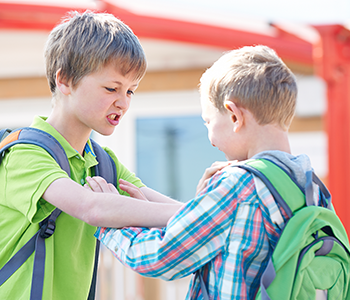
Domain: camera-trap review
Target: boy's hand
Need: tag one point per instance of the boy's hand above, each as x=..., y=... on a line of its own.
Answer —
x=209, y=172
x=132, y=190
x=100, y=185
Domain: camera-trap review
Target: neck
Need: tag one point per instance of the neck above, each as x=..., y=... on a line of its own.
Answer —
x=269, y=137
x=75, y=137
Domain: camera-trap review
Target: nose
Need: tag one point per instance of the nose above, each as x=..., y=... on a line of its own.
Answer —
x=123, y=103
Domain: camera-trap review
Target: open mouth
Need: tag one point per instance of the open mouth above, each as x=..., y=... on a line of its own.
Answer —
x=113, y=117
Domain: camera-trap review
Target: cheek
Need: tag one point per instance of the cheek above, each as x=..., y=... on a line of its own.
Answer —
x=101, y=103
x=218, y=135
x=212, y=136
x=128, y=105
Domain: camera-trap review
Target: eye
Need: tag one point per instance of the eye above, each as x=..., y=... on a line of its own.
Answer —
x=110, y=89
x=129, y=92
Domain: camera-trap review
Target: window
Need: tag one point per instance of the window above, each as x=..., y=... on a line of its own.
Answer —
x=172, y=154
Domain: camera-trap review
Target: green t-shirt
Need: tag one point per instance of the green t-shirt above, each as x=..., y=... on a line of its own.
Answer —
x=25, y=173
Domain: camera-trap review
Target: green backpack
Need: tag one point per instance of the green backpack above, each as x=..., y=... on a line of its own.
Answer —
x=312, y=257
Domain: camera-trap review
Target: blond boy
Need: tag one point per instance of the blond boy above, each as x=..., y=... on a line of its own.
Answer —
x=94, y=64
x=228, y=231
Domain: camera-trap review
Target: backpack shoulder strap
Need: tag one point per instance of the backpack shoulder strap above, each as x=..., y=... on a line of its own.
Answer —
x=281, y=185
x=29, y=135
x=106, y=167
x=4, y=133
x=278, y=182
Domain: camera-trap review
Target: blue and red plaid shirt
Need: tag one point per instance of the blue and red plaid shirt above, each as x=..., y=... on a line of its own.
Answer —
x=228, y=232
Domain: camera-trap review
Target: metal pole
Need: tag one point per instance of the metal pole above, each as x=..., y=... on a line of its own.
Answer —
x=332, y=63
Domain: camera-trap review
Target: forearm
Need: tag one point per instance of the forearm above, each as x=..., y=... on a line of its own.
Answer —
x=106, y=209
x=149, y=257
x=155, y=196
x=116, y=211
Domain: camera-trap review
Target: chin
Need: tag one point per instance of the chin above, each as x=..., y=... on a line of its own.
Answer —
x=231, y=158
x=105, y=132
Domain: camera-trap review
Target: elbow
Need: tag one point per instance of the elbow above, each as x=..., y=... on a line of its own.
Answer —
x=99, y=211
x=166, y=276
x=91, y=218
x=155, y=270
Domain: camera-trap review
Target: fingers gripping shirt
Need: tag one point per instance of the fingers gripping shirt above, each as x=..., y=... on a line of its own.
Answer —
x=227, y=232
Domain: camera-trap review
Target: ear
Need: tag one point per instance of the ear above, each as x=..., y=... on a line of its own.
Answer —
x=62, y=84
x=236, y=115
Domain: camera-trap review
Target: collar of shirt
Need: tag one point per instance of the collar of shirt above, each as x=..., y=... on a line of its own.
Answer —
x=89, y=156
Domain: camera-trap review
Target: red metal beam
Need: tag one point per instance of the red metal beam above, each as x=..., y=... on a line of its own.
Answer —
x=31, y=16
x=45, y=17
x=332, y=63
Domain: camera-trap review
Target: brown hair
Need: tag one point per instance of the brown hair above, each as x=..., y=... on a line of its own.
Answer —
x=85, y=42
x=254, y=78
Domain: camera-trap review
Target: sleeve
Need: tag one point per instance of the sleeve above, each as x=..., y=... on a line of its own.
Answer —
x=194, y=236
x=26, y=172
x=124, y=173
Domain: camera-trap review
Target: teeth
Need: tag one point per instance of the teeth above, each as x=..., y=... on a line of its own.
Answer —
x=112, y=117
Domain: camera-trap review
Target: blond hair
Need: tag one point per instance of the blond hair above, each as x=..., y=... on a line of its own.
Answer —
x=256, y=79
x=85, y=42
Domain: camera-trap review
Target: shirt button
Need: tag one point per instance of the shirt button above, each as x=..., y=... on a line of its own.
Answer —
x=82, y=181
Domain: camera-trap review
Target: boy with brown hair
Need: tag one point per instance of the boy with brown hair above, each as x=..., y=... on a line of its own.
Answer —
x=229, y=230
x=94, y=64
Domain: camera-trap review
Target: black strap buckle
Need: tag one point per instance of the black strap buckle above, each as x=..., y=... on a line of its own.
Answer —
x=47, y=228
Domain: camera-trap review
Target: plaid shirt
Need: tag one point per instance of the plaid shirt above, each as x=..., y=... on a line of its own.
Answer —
x=227, y=232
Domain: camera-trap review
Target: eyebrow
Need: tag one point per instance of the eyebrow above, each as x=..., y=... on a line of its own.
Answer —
x=118, y=82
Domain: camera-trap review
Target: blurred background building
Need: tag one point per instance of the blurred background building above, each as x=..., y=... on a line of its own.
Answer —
x=162, y=136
